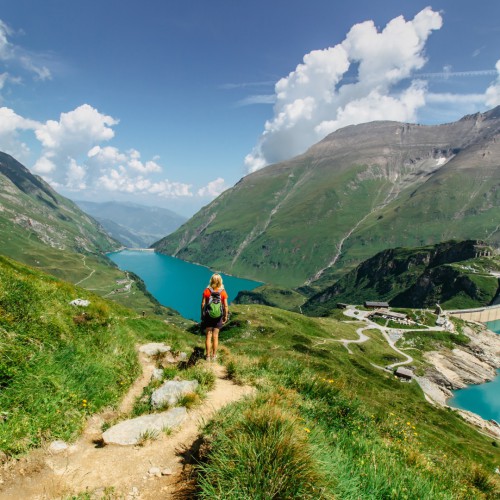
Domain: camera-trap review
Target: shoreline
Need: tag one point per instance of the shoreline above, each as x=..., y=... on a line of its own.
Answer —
x=474, y=364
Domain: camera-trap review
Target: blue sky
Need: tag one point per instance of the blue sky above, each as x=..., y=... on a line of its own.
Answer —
x=168, y=103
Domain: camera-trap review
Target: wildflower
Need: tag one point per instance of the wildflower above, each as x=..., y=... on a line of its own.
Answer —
x=408, y=423
x=307, y=430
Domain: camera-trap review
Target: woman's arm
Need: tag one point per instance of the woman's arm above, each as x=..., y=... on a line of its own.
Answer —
x=226, y=311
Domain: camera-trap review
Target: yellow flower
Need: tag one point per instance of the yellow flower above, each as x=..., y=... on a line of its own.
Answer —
x=307, y=430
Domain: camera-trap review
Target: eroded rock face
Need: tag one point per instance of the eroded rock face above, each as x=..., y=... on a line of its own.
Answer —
x=475, y=363
x=130, y=432
x=457, y=369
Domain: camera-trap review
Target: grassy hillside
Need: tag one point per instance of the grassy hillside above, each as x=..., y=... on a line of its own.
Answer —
x=273, y=296
x=60, y=363
x=327, y=424
x=323, y=423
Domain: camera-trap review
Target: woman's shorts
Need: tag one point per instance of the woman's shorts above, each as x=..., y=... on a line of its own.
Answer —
x=212, y=322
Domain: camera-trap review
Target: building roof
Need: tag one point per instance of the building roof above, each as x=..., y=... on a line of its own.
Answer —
x=404, y=372
x=376, y=304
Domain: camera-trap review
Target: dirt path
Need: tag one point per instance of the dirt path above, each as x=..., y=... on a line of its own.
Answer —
x=121, y=471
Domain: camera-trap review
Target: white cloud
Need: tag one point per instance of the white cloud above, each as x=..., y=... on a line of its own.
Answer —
x=119, y=180
x=77, y=130
x=213, y=188
x=111, y=156
x=257, y=99
x=313, y=100
x=17, y=56
x=11, y=124
x=75, y=179
x=66, y=141
x=493, y=91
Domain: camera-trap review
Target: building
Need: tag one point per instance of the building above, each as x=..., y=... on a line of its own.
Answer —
x=375, y=305
x=391, y=315
x=404, y=374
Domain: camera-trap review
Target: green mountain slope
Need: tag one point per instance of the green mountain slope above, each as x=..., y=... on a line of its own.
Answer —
x=28, y=202
x=451, y=274
x=43, y=229
x=362, y=189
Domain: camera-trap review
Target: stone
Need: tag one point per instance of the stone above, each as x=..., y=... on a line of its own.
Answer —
x=133, y=493
x=154, y=348
x=182, y=356
x=157, y=374
x=171, y=391
x=57, y=446
x=80, y=302
x=166, y=472
x=129, y=432
x=154, y=471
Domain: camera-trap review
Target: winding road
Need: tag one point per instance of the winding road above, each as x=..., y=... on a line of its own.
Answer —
x=391, y=335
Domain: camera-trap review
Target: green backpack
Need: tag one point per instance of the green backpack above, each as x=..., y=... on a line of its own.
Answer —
x=214, y=307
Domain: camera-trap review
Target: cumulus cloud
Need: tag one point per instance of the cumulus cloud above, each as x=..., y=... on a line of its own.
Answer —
x=11, y=127
x=67, y=140
x=118, y=179
x=315, y=99
x=493, y=91
x=213, y=188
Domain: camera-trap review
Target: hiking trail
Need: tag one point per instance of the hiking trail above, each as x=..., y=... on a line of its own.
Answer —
x=154, y=470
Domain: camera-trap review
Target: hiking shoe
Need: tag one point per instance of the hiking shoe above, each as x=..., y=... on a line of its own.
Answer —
x=214, y=357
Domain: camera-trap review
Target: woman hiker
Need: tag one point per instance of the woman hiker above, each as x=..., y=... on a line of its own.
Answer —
x=214, y=312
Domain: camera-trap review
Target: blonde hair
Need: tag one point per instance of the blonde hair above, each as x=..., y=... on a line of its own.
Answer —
x=216, y=282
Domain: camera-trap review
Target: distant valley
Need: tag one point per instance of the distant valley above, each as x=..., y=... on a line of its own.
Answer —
x=133, y=225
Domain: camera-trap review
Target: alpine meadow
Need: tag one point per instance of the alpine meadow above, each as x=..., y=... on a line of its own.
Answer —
x=249, y=251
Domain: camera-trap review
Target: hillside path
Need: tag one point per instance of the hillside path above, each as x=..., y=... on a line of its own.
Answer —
x=123, y=471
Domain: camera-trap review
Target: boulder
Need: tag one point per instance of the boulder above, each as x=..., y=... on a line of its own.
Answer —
x=170, y=392
x=57, y=446
x=129, y=432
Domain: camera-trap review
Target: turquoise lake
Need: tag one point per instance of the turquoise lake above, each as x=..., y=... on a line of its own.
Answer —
x=174, y=282
x=483, y=399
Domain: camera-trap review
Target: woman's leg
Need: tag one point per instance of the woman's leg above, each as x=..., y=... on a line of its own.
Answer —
x=208, y=342
x=215, y=342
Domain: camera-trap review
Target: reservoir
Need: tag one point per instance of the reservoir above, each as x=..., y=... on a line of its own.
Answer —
x=174, y=282
x=483, y=399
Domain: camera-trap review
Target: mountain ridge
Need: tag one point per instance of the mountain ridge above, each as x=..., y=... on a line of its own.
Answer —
x=354, y=193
